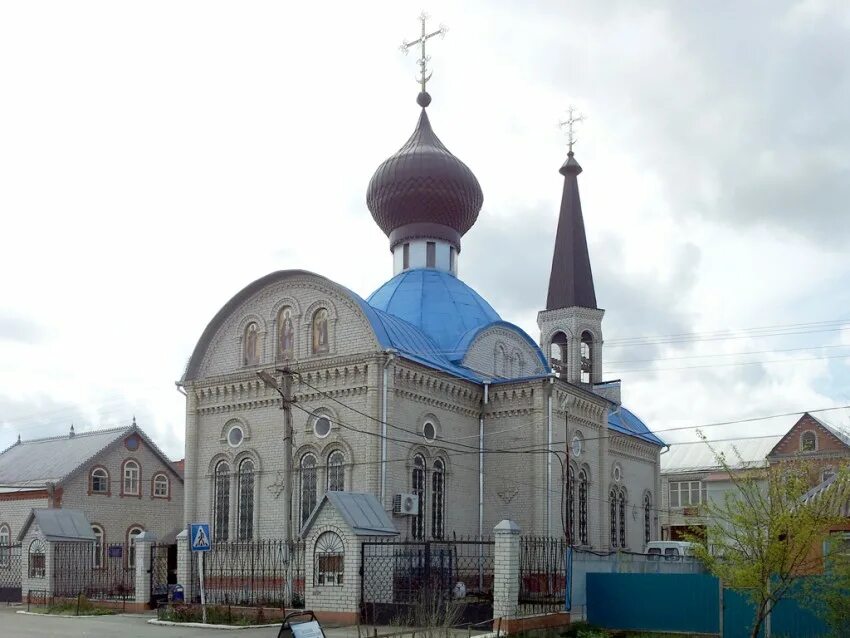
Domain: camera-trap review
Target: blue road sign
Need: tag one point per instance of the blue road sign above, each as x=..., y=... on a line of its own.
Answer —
x=199, y=537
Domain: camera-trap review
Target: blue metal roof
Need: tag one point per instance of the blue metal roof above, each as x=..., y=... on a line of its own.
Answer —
x=621, y=420
x=436, y=302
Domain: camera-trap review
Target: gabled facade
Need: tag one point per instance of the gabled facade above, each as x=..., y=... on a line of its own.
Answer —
x=118, y=478
x=815, y=442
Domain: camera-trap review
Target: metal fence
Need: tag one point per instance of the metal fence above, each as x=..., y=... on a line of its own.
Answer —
x=10, y=573
x=99, y=573
x=268, y=573
x=397, y=574
x=542, y=574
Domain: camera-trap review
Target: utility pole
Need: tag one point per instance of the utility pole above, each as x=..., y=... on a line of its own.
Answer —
x=284, y=389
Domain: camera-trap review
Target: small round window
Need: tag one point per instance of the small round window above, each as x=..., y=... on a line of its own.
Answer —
x=429, y=431
x=618, y=473
x=577, y=445
x=322, y=427
x=235, y=436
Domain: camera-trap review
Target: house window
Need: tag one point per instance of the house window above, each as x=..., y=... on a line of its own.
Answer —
x=647, y=510
x=405, y=256
x=687, y=493
x=621, y=515
x=612, y=514
x=36, y=561
x=97, y=559
x=452, y=260
x=438, y=499
x=336, y=472
x=417, y=483
x=808, y=442
x=329, y=559
x=429, y=431
x=430, y=254
x=582, y=507
x=160, y=486
x=131, y=478
x=221, y=501
x=245, y=529
x=571, y=506
x=322, y=427
x=5, y=542
x=235, y=435
x=99, y=481
x=132, y=533
x=308, y=486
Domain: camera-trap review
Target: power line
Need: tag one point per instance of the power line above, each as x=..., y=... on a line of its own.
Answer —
x=730, y=354
x=731, y=364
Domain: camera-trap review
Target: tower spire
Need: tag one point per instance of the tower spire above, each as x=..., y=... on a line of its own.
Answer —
x=571, y=279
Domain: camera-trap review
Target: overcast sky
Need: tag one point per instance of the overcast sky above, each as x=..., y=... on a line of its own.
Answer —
x=156, y=157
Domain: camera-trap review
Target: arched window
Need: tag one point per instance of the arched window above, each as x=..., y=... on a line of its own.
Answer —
x=131, y=545
x=571, y=506
x=251, y=345
x=99, y=481
x=336, y=472
x=160, y=486
x=5, y=542
x=612, y=507
x=97, y=559
x=131, y=478
x=320, y=331
x=285, y=334
x=586, y=357
x=245, y=524
x=36, y=563
x=582, y=507
x=647, y=525
x=438, y=499
x=808, y=442
x=501, y=361
x=417, y=484
x=558, y=353
x=329, y=559
x=308, y=486
x=621, y=516
x=221, y=502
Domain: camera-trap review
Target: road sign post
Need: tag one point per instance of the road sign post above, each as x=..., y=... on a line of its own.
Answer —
x=199, y=541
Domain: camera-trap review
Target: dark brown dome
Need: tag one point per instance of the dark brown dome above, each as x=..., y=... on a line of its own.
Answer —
x=424, y=191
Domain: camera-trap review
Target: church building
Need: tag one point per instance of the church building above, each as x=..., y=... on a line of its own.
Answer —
x=420, y=393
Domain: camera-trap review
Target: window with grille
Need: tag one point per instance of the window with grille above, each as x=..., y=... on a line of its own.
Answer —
x=97, y=559
x=336, y=472
x=36, y=562
x=687, y=493
x=808, y=442
x=131, y=478
x=245, y=530
x=417, y=481
x=221, y=502
x=99, y=481
x=438, y=502
x=621, y=516
x=131, y=546
x=571, y=506
x=5, y=542
x=612, y=507
x=330, y=559
x=308, y=486
x=647, y=525
x=582, y=507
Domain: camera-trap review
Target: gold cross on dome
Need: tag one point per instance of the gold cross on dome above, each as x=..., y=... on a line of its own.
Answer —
x=573, y=118
x=424, y=74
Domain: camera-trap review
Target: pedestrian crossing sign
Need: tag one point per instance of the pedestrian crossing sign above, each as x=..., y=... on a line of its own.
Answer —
x=199, y=537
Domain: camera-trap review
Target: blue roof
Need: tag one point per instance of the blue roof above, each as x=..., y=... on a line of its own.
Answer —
x=438, y=303
x=621, y=420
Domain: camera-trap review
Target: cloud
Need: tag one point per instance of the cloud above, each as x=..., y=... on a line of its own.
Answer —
x=19, y=329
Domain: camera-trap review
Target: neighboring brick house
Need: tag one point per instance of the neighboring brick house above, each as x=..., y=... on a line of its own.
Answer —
x=816, y=442
x=118, y=478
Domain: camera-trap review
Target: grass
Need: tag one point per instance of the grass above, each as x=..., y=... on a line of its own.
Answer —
x=81, y=607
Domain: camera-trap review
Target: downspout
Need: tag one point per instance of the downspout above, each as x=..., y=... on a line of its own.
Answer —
x=390, y=357
x=549, y=460
x=481, y=462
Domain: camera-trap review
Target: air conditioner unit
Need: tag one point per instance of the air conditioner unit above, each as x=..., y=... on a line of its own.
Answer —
x=406, y=504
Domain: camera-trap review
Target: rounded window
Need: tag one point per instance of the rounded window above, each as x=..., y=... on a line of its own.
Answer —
x=577, y=444
x=322, y=427
x=618, y=473
x=235, y=436
x=429, y=431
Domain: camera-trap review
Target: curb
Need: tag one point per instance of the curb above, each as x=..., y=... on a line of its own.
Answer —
x=23, y=612
x=200, y=625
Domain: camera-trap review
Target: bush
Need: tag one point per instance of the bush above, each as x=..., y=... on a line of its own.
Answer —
x=582, y=629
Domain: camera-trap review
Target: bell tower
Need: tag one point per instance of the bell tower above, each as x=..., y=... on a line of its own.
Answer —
x=571, y=324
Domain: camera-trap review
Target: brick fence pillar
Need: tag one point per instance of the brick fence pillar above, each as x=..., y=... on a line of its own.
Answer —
x=184, y=563
x=143, y=544
x=506, y=570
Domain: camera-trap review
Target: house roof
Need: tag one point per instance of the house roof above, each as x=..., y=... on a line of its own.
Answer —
x=698, y=455
x=842, y=437
x=59, y=525
x=31, y=464
x=361, y=512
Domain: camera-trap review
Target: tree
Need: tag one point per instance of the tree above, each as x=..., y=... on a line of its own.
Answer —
x=829, y=595
x=761, y=535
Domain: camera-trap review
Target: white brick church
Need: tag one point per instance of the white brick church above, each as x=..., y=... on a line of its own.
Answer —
x=420, y=389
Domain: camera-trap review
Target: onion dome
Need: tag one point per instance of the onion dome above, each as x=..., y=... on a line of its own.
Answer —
x=423, y=191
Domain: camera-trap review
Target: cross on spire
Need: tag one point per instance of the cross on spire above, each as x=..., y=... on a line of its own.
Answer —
x=424, y=74
x=573, y=118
